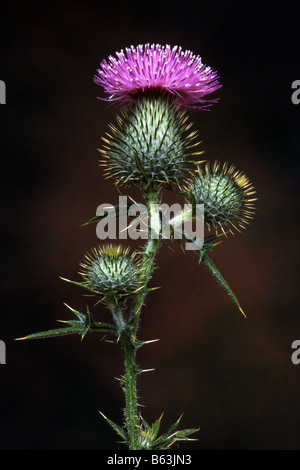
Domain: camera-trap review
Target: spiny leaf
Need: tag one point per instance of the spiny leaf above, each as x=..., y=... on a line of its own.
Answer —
x=218, y=276
x=82, y=326
x=146, y=426
x=173, y=435
x=183, y=433
x=174, y=426
x=206, y=243
x=206, y=247
x=81, y=317
x=155, y=427
x=50, y=333
x=115, y=427
x=165, y=442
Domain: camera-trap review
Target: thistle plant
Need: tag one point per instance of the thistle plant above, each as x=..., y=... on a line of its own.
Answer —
x=152, y=145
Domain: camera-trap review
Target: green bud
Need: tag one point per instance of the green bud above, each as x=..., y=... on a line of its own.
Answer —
x=226, y=195
x=112, y=273
x=150, y=143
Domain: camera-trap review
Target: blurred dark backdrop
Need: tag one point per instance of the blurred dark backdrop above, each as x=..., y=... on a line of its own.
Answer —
x=232, y=377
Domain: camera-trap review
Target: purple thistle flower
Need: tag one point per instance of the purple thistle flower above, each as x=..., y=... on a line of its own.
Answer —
x=158, y=68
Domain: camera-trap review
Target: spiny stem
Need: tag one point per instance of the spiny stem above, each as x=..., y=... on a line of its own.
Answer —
x=131, y=412
x=117, y=316
x=130, y=390
x=149, y=254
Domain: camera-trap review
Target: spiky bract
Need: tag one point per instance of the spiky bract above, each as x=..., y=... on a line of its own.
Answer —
x=147, y=67
x=151, y=142
x=226, y=195
x=112, y=272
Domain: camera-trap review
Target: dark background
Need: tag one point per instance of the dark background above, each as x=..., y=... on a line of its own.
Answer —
x=232, y=377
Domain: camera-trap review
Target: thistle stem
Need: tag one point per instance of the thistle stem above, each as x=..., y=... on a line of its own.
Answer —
x=131, y=371
x=131, y=411
x=116, y=312
x=149, y=254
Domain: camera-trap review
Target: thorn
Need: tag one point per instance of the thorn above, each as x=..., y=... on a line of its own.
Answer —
x=147, y=370
x=131, y=198
x=68, y=306
x=154, y=288
x=242, y=312
x=103, y=415
x=182, y=248
x=170, y=248
x=151, y=341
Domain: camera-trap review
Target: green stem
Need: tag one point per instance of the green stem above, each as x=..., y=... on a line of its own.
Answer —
x=131, y=411
x=148, y=261
x=117, y=316
x=131, y=371
x=149, y=254
x=97, y=326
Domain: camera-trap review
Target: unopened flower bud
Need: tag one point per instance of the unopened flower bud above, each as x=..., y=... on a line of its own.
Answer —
x=111, y=272
x=226, y=194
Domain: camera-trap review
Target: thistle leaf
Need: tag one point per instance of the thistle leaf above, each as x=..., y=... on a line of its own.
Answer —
x=150, y=441
x=82, y=326
x=115, y=427
x=173, y=428
x=181, y=435
x=80, y=316
x=155, y=427
x=50, y=333
x=173, y=435
x=206, y=247
x=206, y=243
x=218, y=276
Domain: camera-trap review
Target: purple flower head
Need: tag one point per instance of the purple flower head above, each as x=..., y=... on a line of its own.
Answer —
x=160, y=69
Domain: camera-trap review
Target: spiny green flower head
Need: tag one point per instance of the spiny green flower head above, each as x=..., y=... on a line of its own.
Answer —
x=110, y=271
x=226, y=194
x=151, y=142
